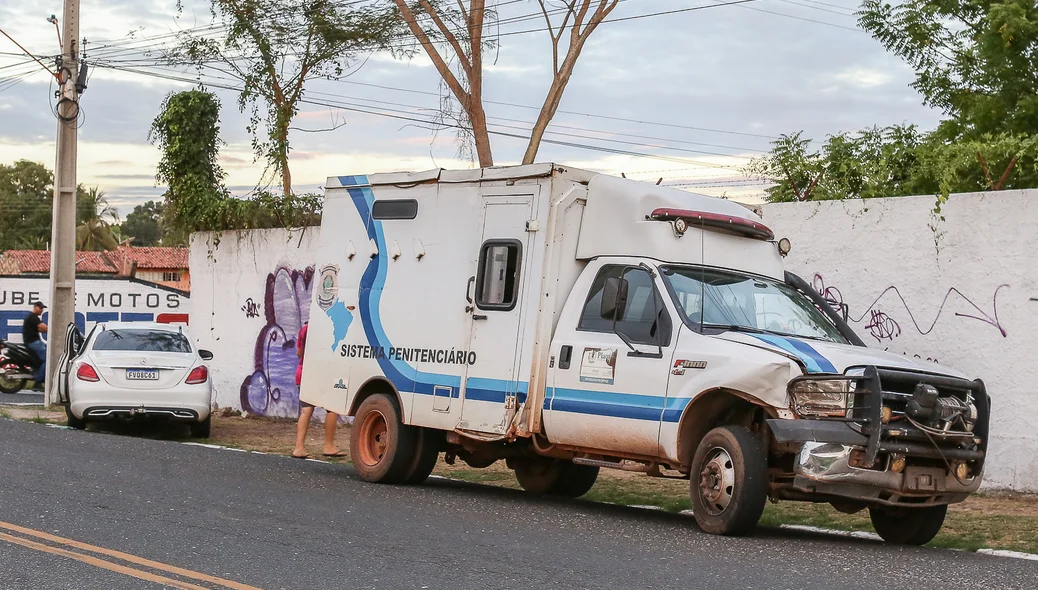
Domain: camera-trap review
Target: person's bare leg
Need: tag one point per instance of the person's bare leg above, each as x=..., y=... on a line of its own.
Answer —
x=301, y=427
x=330, y=422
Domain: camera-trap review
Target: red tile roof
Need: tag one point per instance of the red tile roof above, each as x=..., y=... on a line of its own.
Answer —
x=151, y=257
x=114, y=263
x=38, y=261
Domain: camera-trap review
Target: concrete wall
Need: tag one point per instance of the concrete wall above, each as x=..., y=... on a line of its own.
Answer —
x=250, y=295
x=968, y=300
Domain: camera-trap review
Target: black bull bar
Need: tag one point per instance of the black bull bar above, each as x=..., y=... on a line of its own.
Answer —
x=882, y=386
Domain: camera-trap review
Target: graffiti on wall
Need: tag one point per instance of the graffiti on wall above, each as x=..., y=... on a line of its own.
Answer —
x=271, y=389
x=882, y=326
x=251, y=308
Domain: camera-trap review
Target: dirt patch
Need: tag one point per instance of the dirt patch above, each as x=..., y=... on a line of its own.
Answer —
x=33, y=413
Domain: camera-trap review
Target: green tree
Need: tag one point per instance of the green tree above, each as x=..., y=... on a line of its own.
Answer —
x=273, y=47
x=977, y=60
x=26, y=194
x=875, y=162
x=94, y=232
x=187, y=132
x=144, y=224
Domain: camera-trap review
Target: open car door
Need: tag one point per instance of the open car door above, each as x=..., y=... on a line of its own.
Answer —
x=73, y=346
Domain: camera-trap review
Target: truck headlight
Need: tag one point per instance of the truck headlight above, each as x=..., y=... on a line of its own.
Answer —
x=822, y=397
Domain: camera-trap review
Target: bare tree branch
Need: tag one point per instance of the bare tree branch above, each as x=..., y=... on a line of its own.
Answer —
x=579, y=34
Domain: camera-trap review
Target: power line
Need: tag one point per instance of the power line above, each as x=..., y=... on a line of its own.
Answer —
x=848, y=14
x=431, y=124
x=809, y=20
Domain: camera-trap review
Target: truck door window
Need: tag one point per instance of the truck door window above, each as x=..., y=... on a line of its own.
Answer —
x=497, y=283
x=638, y=321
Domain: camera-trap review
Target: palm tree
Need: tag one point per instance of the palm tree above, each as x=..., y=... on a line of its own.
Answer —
x=96, y=217
x=32, y=243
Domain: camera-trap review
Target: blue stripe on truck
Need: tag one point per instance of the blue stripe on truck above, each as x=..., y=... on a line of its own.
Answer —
x=815, y=362
x=616, y=405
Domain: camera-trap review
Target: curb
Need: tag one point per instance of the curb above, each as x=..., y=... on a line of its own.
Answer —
x=1005, y=553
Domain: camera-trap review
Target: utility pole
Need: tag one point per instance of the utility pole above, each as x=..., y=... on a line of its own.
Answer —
x=63, y=225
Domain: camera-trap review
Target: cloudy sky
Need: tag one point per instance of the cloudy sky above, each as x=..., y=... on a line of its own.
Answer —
x=690, y=96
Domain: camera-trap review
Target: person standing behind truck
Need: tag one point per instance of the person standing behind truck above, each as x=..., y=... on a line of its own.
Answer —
x=306, y=412
x=32, y=327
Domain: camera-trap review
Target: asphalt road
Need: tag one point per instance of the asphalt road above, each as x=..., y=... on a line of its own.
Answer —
x=24, y=396
x=274, y=522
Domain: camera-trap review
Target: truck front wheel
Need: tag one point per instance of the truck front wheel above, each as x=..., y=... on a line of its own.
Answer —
x=729, y=481
x=382, y=447
x=907, y=526
x=556, y=477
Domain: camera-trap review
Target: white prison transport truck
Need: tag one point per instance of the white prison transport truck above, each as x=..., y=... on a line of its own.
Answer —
x=566, y=321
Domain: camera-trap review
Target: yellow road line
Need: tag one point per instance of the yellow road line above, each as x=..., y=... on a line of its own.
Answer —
x=94, y=561
x=120, y=555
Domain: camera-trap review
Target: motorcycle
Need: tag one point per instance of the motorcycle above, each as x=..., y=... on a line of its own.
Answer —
x=17, y=366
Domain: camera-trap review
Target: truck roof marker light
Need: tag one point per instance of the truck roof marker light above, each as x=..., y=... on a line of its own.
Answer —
x=419, y=249
x=784, y=246
x=395, y=250
x=351, y=251
x=374, y=248
x=717, y=221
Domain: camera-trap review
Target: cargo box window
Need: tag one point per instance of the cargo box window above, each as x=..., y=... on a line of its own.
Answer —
x=395, y=209
x=497, y=284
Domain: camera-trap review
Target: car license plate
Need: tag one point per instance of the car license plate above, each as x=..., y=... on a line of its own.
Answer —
x=142, y=374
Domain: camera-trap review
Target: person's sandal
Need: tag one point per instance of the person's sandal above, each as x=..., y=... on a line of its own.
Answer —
x=306, y=456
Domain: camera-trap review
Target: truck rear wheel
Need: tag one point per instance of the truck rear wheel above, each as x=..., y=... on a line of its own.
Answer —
x=382, y=448
x=907, y=526
x=556, y=477
x=427, y=452
x=729, y=481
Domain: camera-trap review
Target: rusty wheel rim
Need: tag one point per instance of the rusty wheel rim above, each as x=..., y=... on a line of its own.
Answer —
x=373, y=439
x=717, y=481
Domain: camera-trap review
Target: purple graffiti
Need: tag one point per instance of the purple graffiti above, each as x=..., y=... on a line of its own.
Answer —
x=882, y=327
x=271, y=389
x=832, y=295
x=871, y=311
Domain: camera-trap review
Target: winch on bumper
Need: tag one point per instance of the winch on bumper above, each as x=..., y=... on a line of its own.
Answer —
x=887, y=436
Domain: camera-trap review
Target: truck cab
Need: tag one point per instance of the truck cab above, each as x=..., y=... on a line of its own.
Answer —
x=565, y=321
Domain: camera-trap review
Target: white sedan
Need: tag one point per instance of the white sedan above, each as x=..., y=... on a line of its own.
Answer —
x=140, y=370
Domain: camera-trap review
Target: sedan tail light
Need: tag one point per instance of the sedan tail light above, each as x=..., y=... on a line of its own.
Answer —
x=198, y=375
x=87, y=373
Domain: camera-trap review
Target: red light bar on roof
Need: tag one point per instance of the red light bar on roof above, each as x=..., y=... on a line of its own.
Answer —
x=717, y=221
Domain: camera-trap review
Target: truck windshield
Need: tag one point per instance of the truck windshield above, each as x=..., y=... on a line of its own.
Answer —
x=733, y=301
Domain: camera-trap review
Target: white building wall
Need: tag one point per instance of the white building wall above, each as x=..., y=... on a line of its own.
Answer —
x=250, y=295
x=968, y=300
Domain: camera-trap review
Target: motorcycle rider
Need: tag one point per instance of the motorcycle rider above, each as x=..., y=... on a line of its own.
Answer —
x=32, y=327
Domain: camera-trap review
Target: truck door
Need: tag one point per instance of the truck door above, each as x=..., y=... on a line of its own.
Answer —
x=494, y=296
x=602, y=394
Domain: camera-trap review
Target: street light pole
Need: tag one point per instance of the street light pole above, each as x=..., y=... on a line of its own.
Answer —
x=63, y=224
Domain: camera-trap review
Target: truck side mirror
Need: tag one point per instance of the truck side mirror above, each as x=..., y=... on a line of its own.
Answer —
x=205, y=355
x=614, y=299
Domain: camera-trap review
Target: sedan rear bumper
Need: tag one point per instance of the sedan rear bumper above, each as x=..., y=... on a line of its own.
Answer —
x=123, y=412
